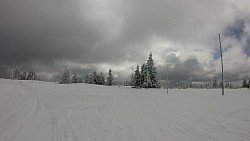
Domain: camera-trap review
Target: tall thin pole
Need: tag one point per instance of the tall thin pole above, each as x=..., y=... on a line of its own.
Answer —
x=12, y=75
x=221, y=67
x=167, y=79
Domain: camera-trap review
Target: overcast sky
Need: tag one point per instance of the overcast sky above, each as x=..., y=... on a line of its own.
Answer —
x=88, y=35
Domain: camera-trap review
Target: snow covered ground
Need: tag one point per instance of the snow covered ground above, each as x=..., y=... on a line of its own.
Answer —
x=45, y=111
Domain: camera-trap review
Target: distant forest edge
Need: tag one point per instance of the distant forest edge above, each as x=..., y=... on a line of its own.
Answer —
x=143, y=77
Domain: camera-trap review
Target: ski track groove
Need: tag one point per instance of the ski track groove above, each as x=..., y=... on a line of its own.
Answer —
x=225, y=130
x=10, y=112
x=114, y=107
x=135, y=119
x=28, y=117
x=121, y=117
x=60, y=131
x=180, y=127
x=198, y=135
x=189, y=133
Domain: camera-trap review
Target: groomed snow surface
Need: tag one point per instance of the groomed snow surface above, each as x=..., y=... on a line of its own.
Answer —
x=45, y=111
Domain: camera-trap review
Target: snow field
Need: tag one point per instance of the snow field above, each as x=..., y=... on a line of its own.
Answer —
x=45, y=111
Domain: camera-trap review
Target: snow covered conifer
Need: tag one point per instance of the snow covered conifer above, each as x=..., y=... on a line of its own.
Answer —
x=16, y=73
x=144, y=76
x=74, y=78
x=102, y=80
x=98, y=79
x=153, y=83
x=110, y=78
x=132, y=81
x=90, y=79
x=94, y=77
x=137, y=77
x=244, y=85
x=65, y=79
x=24, y=76
x=31, y=75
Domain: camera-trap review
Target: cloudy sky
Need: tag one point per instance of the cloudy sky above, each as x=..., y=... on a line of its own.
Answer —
x=88, y=35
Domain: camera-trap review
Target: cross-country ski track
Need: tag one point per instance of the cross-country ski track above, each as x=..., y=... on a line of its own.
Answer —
x=46, y=111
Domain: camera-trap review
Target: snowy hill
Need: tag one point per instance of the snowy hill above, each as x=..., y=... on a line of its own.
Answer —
x=45, y=111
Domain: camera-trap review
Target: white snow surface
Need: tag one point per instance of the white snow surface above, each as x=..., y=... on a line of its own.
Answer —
x=46, y=111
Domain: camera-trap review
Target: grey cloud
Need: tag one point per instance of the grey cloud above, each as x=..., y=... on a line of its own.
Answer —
x=54, y=33
x=45, y=30
x=178, y=71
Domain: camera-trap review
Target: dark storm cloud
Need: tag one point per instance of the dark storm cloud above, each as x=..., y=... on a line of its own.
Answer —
x=37, y=30
x=48, y=30
x=177, y=71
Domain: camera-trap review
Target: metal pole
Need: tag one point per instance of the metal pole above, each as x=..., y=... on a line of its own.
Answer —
x=12, y=72
x=221, y=67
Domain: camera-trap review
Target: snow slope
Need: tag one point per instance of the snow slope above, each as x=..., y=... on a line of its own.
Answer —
x=45, y=111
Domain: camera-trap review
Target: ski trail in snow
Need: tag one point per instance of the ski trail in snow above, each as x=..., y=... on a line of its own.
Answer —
x=168, y=124
x=42, y=111
x=36, y=116
x=27, y=116
x=134, y=118
x=61, y=127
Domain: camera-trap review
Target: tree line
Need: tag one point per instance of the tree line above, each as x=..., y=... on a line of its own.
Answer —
x=147, y=77
x=18, y=75
x=92, y=78
x=245, y=84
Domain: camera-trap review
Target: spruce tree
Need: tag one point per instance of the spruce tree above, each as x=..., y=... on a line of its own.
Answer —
x=74, y=78
x=110, y=78
x=144, y=76
x=132, y=81
x=31, y=75
x=98, y=79
x=244, y=85
x=24, y=77
x=137, y=77
x=153, y=82
x=16, y=73
x=65, y=79
x=102, y=80
x=94, y=77
x=91, y=79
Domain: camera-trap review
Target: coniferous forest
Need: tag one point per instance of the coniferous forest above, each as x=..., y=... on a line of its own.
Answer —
x=147, y=76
